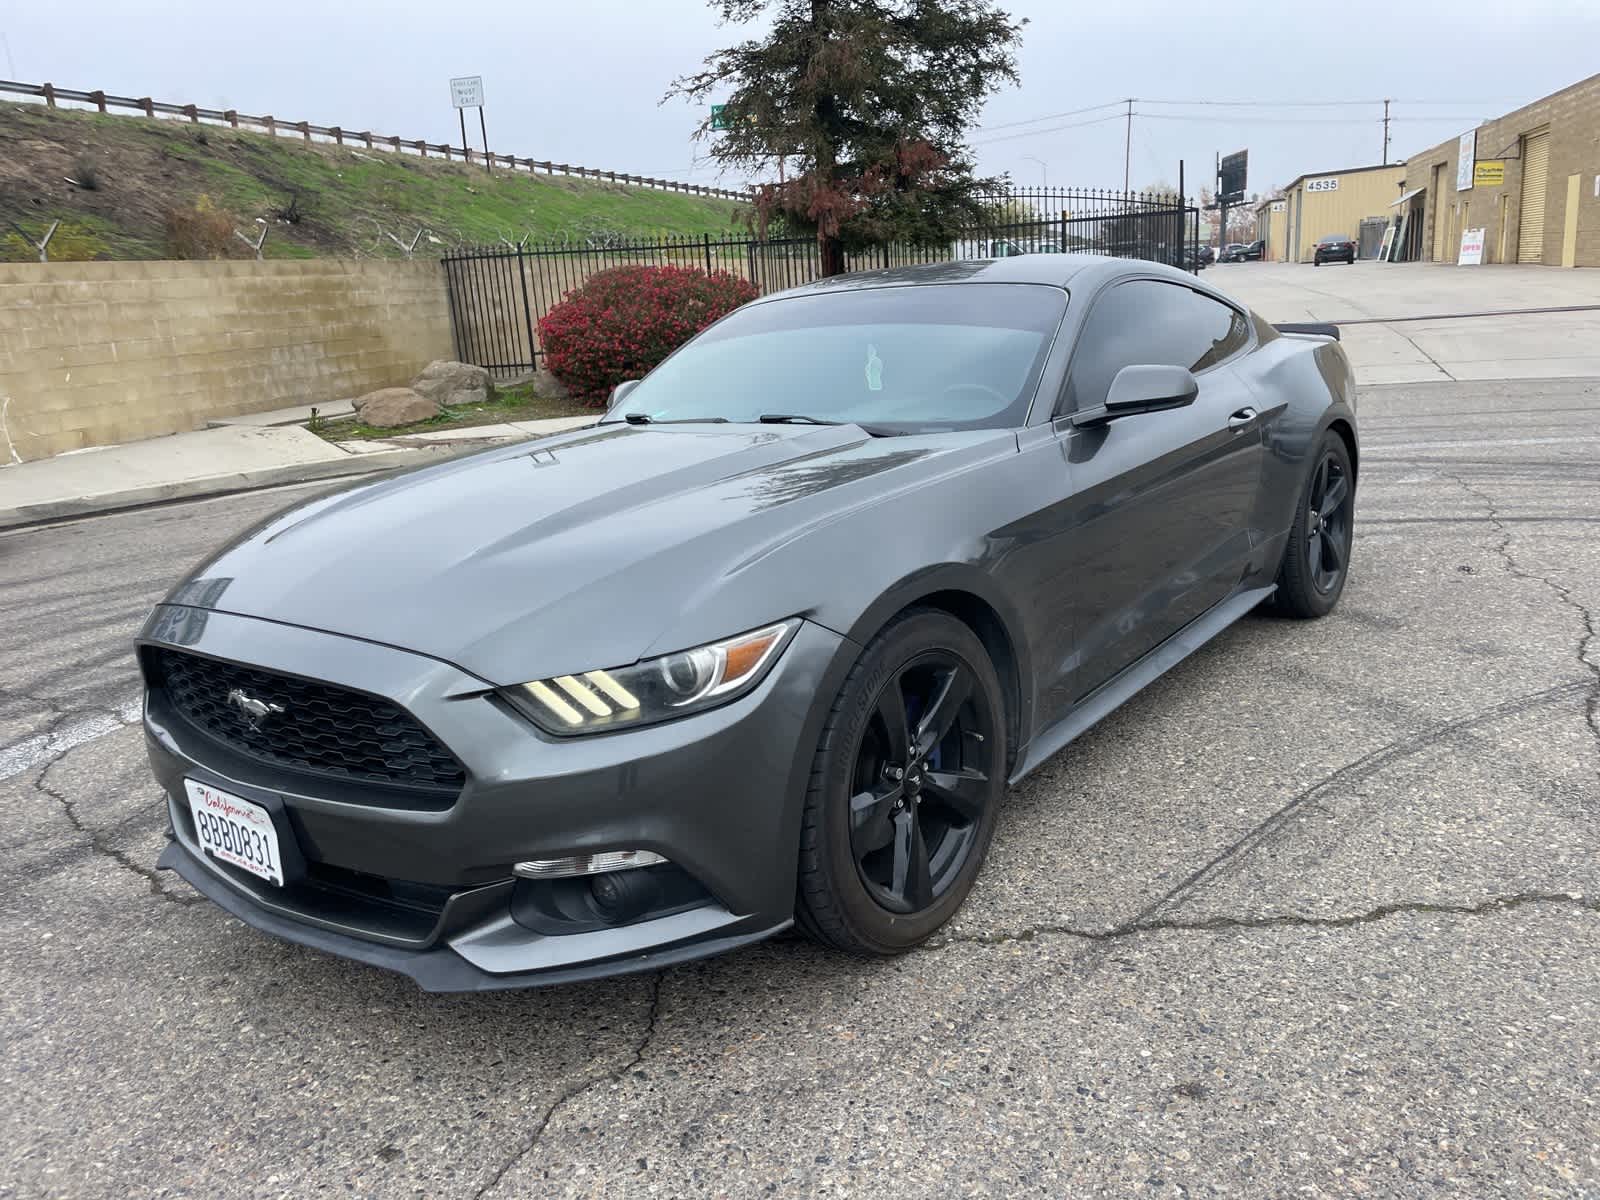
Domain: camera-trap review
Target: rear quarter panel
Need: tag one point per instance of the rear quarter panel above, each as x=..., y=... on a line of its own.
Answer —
x=1305, y=385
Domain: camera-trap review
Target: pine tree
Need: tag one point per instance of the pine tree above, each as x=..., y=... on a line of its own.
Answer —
x=870, y=100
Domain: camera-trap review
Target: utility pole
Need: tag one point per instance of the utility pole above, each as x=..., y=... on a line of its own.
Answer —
x=1183, y=228
x=1222, y=213
x=1386, y=133
x=1127, y=147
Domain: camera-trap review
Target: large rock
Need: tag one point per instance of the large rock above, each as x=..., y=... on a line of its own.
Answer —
x=450, y=384
x=548, y=386
x=388, y=407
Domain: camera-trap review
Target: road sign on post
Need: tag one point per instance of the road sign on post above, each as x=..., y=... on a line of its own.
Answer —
x=466, y=91
x=719, y=118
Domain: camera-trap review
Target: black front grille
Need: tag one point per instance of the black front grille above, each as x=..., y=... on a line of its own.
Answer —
x=311, y=727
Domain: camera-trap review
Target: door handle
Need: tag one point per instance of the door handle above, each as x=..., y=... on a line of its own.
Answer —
x=1242, y=420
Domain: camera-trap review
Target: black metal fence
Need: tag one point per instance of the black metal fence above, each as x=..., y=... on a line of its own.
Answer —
x=498, y=294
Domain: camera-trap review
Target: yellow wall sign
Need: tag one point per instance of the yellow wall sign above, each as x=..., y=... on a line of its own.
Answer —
x=1489, y=172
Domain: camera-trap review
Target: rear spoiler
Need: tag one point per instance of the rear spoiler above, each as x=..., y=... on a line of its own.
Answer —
x=1331, y=331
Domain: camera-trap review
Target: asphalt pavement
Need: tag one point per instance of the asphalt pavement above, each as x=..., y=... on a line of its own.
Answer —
x=1317, y=914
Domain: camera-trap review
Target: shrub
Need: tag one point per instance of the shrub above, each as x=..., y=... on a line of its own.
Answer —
x=200, y=231
x=85, y=175
x=624, y=321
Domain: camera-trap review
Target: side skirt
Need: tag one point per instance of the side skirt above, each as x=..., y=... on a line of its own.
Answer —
x=1134, y=678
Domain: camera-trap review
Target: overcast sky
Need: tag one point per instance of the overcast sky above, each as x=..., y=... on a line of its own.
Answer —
x=580, y=80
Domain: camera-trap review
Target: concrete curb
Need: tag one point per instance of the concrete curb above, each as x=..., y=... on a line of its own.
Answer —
x=220, y=485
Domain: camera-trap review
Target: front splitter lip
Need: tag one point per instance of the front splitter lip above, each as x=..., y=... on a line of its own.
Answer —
x=438, y=969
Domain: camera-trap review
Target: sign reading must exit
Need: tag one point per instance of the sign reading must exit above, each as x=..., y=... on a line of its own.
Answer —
x=467, y=91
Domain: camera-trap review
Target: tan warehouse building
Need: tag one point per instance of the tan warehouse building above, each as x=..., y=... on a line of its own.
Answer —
x=1272, y=222
x=1530, y=181
x=1356, y=202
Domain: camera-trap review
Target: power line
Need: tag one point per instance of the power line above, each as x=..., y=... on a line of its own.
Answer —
x=1319, y=103
x=1235, y=120
x=1051, y=116
x=1008, y=137
x=1260, y=103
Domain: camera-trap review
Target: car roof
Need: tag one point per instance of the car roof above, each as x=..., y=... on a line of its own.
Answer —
x=1057, y=270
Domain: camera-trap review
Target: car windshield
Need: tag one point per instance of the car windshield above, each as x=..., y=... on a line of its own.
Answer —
x=899, y=359
x=1332, y=238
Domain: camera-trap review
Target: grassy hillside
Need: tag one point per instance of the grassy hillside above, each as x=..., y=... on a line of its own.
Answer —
x=319, y=199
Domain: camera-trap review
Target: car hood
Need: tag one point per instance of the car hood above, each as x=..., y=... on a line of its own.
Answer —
x=589, y=549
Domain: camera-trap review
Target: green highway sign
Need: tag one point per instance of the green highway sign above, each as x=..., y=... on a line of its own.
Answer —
x=718, y=120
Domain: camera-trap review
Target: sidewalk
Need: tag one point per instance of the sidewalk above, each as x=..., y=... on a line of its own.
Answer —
x=261, y=450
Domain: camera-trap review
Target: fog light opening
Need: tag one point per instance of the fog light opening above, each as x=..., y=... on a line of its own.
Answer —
x=587, y=864
x=618, y=898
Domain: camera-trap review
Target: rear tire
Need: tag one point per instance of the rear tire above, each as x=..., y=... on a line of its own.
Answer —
x=1316, y=560
x=905, y=787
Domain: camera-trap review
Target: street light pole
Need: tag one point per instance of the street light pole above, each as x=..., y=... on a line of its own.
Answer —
x=1044, y=170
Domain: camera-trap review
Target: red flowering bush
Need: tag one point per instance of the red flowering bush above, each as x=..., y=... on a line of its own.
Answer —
x=624, y=321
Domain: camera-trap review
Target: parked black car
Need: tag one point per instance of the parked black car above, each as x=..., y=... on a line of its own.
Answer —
x=1233, y=252
x=1336, y=247
x=1254, y=251
x=765, y=645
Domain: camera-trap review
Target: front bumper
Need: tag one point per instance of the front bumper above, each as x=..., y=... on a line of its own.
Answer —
x=430, y=893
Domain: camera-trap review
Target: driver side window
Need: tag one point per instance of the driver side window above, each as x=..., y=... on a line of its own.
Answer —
x=1145, y=321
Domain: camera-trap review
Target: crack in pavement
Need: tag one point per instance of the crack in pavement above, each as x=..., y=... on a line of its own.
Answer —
x=1228, y=858
x=1494, y=904
x=1562, y=592
x=635, y=1057
x=1412, y=342
x=100, y=845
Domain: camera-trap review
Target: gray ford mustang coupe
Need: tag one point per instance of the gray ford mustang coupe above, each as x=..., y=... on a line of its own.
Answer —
x=762, y=647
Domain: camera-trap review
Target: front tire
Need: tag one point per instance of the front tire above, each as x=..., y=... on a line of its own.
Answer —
x=905, y=788
x=1316, y=560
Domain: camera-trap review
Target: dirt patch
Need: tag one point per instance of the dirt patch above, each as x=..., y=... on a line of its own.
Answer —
x=513, y=404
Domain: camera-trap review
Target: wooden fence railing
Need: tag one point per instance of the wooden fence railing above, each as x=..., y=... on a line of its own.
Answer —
x=104, y=102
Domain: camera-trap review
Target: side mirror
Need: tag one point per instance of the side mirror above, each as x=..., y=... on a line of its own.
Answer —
x=1142, y=389
x=620, y=392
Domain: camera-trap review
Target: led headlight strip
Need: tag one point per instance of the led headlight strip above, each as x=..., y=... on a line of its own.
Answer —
x=655, y=689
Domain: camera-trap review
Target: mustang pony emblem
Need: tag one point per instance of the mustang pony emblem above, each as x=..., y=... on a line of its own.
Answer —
x=255, y=711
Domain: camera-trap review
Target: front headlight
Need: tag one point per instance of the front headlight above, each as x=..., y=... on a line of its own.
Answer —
x=657, y=689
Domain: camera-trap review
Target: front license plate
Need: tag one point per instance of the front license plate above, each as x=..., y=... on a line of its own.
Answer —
x=235, y=830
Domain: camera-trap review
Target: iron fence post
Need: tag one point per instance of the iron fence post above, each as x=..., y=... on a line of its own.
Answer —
x=708, y=254
x=527, y=310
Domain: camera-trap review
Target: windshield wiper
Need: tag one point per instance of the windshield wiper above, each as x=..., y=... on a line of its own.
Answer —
x=793, y=419
x=647, y=419
x=876, y=431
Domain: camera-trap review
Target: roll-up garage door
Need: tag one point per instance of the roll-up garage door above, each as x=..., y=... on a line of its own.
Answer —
x=1535, y=183
x=1443, y=251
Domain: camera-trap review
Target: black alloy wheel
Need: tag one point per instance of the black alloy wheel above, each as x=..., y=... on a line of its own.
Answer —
x=1316, y=560
x=1327, y=524
x=920, y=782
x=905, y=788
